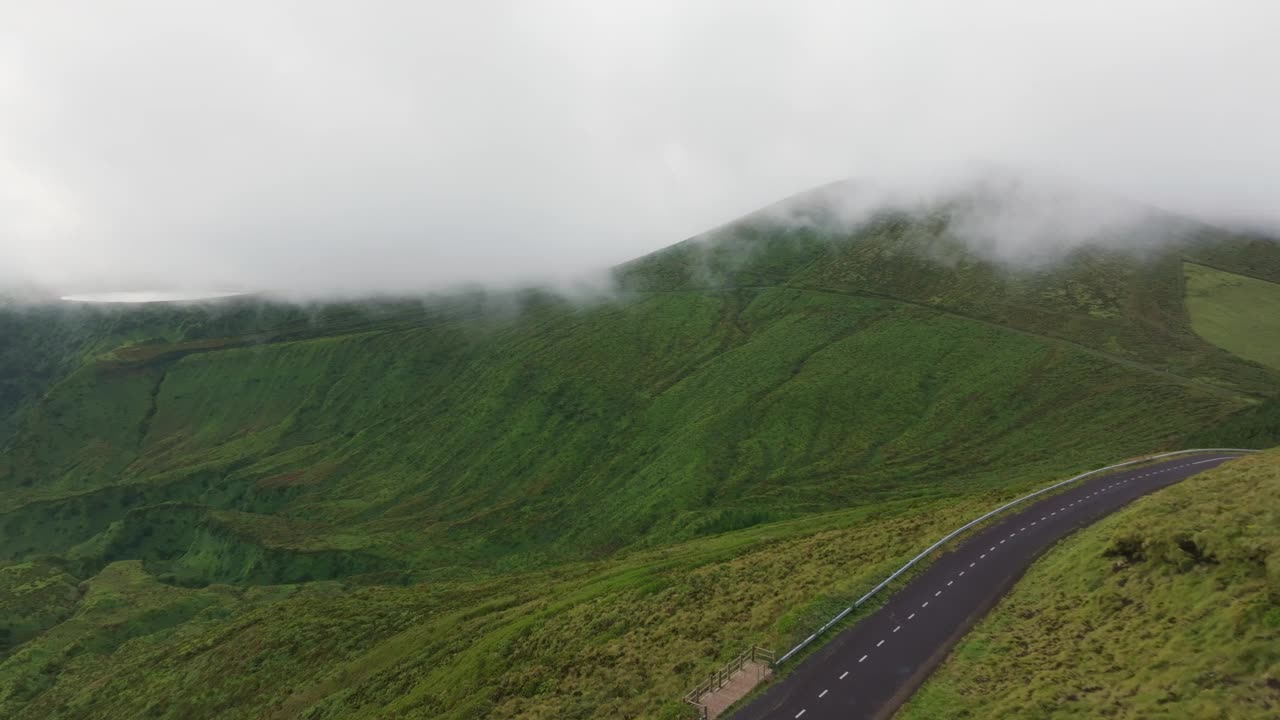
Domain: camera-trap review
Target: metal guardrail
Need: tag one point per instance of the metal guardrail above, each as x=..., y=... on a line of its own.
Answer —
x=721, y=677
x=898, y=573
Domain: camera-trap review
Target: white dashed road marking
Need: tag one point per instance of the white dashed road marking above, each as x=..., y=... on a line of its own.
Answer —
x=1063, y=509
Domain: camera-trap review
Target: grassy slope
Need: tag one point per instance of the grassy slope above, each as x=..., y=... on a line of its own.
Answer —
x=1168, y=609
x=37, y=347
x=680, y=414
x=41, y=344
x=604, y=501
x=613, y=638
x=1236, y=312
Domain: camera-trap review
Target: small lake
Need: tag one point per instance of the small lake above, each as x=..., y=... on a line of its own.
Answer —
x=151, y=296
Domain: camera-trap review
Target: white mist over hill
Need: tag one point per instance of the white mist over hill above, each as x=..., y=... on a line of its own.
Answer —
x=343, y=147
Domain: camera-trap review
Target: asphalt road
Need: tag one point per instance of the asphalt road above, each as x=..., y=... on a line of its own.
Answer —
x=870, y=669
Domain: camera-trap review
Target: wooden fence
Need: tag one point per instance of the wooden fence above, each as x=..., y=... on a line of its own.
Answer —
x=721, y=677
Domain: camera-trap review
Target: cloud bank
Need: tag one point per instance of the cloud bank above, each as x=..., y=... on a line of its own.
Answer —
x=320, y=147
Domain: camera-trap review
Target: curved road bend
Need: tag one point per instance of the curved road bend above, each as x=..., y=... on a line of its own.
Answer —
x=870, y=669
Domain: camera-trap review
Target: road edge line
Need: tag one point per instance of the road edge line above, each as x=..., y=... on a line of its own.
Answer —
x=929, y=550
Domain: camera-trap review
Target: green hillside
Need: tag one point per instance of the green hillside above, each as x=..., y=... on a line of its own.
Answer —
x=41, y=344
x=1168, y=609
x=1236, y=312
x=520, y=505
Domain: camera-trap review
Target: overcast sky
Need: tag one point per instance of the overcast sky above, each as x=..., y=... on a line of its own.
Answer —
x=357, y=146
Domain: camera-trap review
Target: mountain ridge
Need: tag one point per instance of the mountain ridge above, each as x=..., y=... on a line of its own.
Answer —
x=257, y=467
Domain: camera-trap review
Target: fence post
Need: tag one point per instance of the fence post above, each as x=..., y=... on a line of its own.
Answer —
x=719, y=678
